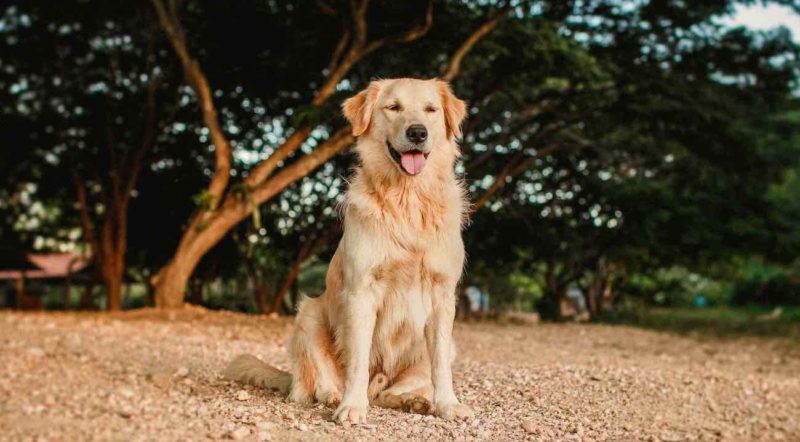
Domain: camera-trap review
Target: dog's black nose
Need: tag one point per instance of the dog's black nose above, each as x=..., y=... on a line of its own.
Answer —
x=416, y=133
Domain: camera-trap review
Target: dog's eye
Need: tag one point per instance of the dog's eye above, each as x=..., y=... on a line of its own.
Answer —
x=430, y=109
x=395, y=107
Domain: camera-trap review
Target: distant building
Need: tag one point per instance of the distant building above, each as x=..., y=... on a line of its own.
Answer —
x=18, y=268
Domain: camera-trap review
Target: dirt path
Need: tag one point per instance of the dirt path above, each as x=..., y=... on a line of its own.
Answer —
x=148, y=376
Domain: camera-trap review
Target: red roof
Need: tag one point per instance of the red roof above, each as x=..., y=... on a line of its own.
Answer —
x=51, y=265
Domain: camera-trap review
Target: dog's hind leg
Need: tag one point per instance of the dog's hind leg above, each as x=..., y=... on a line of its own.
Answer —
x=317, y=374
x=412, y=390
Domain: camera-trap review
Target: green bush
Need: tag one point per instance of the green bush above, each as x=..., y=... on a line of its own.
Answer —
x=780, y=289
x=764, y=284
x=675, y=287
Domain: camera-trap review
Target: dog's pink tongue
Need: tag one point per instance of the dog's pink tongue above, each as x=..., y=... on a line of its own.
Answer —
x=413, y=162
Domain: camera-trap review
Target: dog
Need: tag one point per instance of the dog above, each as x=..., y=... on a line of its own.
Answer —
x=381, y=332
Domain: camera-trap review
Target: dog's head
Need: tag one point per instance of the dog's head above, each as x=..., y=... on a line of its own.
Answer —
x=407, y=120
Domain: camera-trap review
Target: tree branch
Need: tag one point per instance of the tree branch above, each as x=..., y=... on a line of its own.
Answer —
x=410, y=35
x=454, y=66
x=518, y=164
x=197, y=79
x=149, y=131
x=83, y=205
x=341, y=45
x=342, y=139
x=358, y=49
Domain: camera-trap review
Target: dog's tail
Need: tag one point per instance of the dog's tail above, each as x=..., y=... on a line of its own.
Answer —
x=249, y=369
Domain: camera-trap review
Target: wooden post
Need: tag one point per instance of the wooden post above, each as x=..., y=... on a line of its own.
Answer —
x=20, y=289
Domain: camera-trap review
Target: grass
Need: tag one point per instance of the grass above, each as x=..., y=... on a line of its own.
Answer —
x=725, y=322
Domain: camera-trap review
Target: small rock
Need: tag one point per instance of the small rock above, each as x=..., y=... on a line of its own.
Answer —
x=36, y=352
x=240, y=433
x=530, y=426
x=242, y=395
x=161, y=380
x=263, y=435
x=302, y=427
x=479, y=433
x=182, y=372
x=126, y=392
x=265, y=425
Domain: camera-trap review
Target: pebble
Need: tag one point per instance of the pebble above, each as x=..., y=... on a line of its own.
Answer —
x=571, y=392
x=36, y=352
x=530, y=426
x=161, y=380
x=265, y=425
x=126, y=392
x=240, y=433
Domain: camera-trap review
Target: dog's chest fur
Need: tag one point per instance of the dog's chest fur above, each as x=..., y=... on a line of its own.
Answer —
x=415, y=230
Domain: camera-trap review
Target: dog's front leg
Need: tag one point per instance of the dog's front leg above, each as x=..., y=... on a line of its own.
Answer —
x=359, y=326
x=439, y=339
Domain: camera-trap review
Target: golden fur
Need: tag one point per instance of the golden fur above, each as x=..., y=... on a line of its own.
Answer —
x=382, y=330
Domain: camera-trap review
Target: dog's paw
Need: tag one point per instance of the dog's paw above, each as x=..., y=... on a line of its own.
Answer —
x=331, y=398
x=348, y=414
x=413, y=403
x=299, y=396
x=454, y=411
x=408, y=402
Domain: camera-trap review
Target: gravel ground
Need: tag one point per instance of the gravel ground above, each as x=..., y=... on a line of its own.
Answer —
x=148, y=375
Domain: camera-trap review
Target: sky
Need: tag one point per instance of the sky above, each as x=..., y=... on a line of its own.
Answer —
x=764, y=18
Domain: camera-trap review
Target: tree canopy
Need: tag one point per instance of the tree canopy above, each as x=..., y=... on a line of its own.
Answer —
x=604, y=138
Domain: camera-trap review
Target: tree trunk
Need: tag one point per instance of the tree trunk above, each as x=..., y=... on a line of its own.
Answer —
x=20, y=291
x=554, y=294
x=87, y=299
x=170, y=282
x=113, y=293
x=260, y=294
x=609, y=295
x=600, y=292
x=288, y=282
x=209, y=227
x=112, y=260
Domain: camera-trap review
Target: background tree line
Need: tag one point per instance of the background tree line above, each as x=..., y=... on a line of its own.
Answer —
x=609, y=145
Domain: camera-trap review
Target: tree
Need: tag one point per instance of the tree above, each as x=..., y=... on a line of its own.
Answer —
x=660, y=164
x=92, y=95
x=225, y=205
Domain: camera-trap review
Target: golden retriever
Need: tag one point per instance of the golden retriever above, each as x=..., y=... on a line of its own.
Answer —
x=382, y=330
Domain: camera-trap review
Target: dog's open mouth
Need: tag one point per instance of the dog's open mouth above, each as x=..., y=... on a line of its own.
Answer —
x=411, y=162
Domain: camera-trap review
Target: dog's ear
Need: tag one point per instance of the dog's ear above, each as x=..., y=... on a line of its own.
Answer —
x=455, y=109
x=358, y=109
